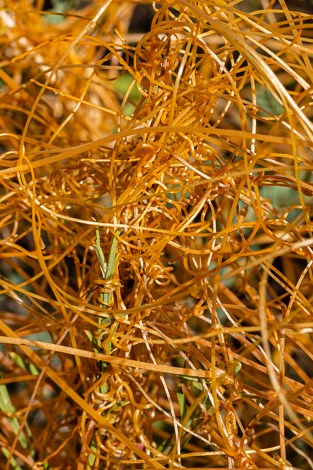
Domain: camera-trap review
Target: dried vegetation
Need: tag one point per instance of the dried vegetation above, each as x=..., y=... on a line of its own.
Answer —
x=156, y=236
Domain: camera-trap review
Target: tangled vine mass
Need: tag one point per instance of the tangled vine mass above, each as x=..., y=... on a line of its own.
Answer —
x=156, y=235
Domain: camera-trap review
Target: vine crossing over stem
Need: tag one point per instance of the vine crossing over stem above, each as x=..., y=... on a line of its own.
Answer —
x=205, y=374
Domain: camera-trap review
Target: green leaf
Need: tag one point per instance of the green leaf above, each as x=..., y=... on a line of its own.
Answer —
x=100, y=255
x=89, y=335
x=181, y=402
x=6, y=406
x=20, y=362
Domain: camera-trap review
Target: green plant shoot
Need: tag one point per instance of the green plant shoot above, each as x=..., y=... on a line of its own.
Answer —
x=107, y=269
